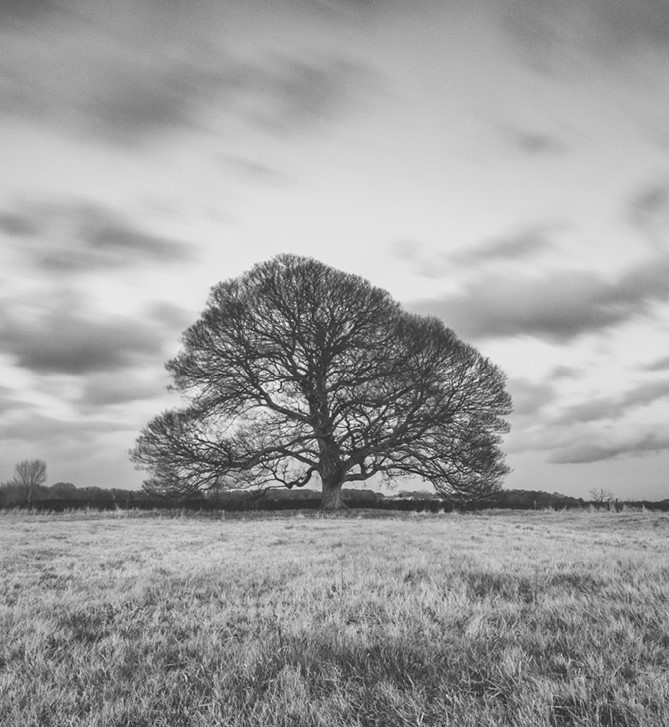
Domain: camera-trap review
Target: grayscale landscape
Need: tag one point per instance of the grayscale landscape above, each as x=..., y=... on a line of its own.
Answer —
x=334, y=363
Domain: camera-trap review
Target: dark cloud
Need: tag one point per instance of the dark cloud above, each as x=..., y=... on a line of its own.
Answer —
x=118, y=387
x=661, y=364
x=649, y=202
x=565, y=372
x=124, y=94
x=80, y=237
x=103, y=231
x=649, y=211
x=615, y=407
x=64, y=341
x=291, y=94
x=60, y=337
x=48, y=430
x=17, y=224
x=541, y=30
x=533, y=143
x=128, y=74
x=518, y=247
x=593, y=410
x=642, y=284
x=252, y=170
x=121, y=71
x=634, y=21
x=558, y=36
x=171, y=317
x=596, y=452
x=132, y=103
x=26, y=9
x=556, y=306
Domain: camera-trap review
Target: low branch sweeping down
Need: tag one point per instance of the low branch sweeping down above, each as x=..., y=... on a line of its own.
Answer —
x=297, y=370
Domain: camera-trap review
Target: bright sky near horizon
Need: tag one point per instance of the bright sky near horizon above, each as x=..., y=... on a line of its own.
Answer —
x=503, y=164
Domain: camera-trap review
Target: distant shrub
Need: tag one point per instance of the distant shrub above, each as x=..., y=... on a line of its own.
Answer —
x=66, y=496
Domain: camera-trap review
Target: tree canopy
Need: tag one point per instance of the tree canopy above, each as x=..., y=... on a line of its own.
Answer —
x=296, y=370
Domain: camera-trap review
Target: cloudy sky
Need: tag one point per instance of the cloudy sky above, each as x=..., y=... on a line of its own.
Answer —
x=503, y=164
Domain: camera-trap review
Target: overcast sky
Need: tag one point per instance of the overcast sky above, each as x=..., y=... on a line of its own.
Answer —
x=503, y=164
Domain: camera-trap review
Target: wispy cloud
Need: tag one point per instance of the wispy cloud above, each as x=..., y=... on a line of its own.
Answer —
x=105, y=389
x=82, y=236
x=633, y=21
x=661, y=364
x=515, y=248
x=620, y=447
x=169, y=316
x=26, y=10
x=554, y=37
x=615, y=406
x=255, y=171
x=128, y=75
x=51, y=430
x=64, y=341
x=649, y=211
x=292, y=94
x=565, y=373
x=18, y=224
x=120, y=76
x=557, y=305
x=533, y=142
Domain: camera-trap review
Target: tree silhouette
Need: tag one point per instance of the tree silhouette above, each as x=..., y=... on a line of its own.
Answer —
x=29, y=475
x=601, y=495
x=297, y=369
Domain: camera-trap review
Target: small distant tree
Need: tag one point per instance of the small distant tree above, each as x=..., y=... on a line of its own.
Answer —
x=297, y=370
x=29, y=475
x=602, y=496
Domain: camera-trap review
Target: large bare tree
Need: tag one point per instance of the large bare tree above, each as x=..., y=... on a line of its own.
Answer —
x=29, y=475
x=297, y=369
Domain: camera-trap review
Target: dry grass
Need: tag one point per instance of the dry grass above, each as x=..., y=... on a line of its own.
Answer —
x=495, y=619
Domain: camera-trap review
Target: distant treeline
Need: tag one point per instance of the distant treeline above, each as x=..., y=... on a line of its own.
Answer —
x=66, y=496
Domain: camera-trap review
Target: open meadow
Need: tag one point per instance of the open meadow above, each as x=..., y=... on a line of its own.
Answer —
x=500, y=618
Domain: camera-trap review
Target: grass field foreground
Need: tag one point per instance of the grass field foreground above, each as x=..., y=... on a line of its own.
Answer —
x=546, y=618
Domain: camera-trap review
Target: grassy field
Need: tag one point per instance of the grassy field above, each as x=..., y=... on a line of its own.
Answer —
x=546, y=618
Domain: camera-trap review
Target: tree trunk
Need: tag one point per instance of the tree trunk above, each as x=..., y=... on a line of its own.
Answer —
x=331, y=472
x=331, y=498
